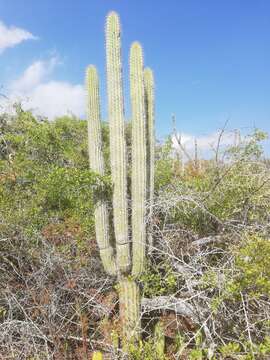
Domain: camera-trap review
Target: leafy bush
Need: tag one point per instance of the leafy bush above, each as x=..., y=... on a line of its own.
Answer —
x=252, y=268
x=211, y=255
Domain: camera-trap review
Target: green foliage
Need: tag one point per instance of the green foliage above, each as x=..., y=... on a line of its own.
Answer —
x=251, y=148
x=44, y=174
x=230, y=349
x=252, y=265
x=246, y=351
x=48, y=192
x=164, y=173
x=97, y=355
x=158, y=279
x=146, y=350
x=234, y=192
x=62, y=142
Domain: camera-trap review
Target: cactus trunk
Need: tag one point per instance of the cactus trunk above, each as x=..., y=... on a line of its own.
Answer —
x=129, y=305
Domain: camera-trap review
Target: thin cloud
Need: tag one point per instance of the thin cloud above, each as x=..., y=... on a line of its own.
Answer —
x=12, y=36
x=34, y=75
x=36, y=89
x=205, y=143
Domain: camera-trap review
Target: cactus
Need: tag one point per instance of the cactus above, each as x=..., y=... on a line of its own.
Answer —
x=124, y=255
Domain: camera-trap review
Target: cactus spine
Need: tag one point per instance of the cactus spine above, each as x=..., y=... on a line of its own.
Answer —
x=126, y=256
x=150, y=128
x=139, y=179
x=97, y=164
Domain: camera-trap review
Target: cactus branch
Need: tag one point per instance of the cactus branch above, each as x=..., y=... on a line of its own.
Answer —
x=117, y=141
x=139, y=176
x=97, y=165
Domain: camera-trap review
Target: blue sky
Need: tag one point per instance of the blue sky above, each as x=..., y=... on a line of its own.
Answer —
x=211, y=58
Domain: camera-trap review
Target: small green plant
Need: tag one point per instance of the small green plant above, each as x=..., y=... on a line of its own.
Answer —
x=146, y=350
x=252, y=265
x=158, y=279
x=231, y=349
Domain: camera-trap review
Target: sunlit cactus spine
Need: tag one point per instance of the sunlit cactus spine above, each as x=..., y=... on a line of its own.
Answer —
x=97, y=164
x=139, y=158
x=124, y=255
x=150, y=128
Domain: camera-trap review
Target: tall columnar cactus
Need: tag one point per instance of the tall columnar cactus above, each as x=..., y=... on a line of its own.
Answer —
x=124, y=254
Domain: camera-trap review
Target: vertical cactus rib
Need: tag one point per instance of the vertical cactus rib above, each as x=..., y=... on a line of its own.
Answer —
x=117, y=141
x=150, y=127
x=139, y=176
x=97, y=165
x=129, y=302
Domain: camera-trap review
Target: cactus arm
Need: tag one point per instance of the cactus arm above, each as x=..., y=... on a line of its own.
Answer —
x=150, y=129
x=139, y=176
x=97, y=165
x=117, y=141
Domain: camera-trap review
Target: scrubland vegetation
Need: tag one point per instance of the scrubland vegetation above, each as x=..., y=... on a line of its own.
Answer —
x=142, y=255
x=207, y=279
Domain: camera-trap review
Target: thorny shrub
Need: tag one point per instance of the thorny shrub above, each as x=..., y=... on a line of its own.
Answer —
x=207, y=279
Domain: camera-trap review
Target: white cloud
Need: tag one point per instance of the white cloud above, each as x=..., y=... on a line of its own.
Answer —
x=55, y=98
x=45, y=96
x=205, y=143
x=34, y=75
x=11, y=36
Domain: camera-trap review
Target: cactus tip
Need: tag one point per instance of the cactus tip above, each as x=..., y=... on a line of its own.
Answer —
x=90, y=69
x=148, y=72
x=113, y=20
x=136, y=51
x=136, y=45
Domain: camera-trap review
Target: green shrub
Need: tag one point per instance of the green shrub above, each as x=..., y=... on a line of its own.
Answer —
x=158, y=279
x=252, y=265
